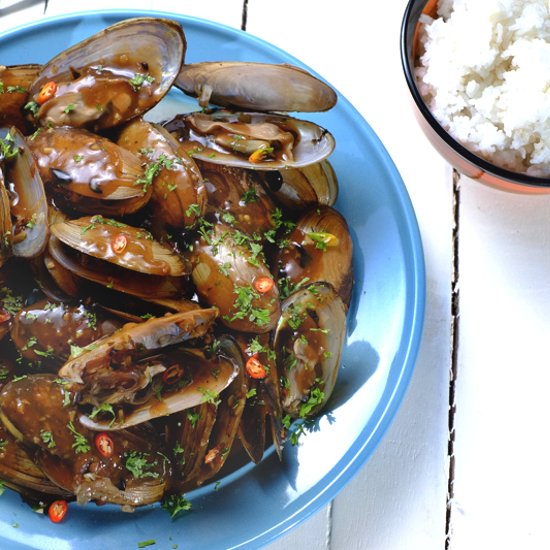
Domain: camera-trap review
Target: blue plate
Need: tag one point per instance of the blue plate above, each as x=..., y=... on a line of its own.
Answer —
x=255, y=504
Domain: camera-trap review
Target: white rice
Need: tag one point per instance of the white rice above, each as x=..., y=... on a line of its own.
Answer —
x=485, y=74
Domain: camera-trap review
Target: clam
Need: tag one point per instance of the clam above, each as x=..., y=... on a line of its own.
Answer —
x=47, y=332
x=110, y=77
x=14, y=92
x=6, y=227
x=228, y=269
x=255, y=86
x=19, y=472
x=27, y=199
x=308, y=341
x=88, y=173
x=258, y=141
x=263, y=401
x=236, y=197
x=178, y=194
x=319, y=249
x=299, y=188
x=128, y=468
x=134, y=371
x=119, y=256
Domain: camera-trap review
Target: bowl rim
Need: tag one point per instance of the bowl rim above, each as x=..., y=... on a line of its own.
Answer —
x=497, y=171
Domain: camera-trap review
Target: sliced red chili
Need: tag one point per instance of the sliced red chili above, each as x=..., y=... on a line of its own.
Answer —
x=46, y=92
x=104, y=444
x=173, y=374
x=119, y=244
x=255, y=368
x=58, y=510
x=4, y=316
x=263, y=284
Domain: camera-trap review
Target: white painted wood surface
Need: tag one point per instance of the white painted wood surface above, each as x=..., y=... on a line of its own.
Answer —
x=398, y=500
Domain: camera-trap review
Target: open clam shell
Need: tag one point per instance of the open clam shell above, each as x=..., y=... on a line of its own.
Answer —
x=299, y=188
x=255, y=86
x=258, y=141
x=111, y=77
x=202, y=379
x=308, y=342
x=28, y=204
x=6, y=226
x=14, y=91
x=92, y=368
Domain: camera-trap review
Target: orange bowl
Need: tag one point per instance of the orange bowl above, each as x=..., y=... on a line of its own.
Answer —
x=462, y=159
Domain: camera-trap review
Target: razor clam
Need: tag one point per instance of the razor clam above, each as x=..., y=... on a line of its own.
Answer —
x=224, y=273
x=319, y=249
x=299, y=188
x=88, y=173
x=258, y=141
x=39, y=411
x=308, y=341
x=121, y=369
x=28, y=204
x=111, y=77
x=178, y=195
x=255, y=86
x=14, y=89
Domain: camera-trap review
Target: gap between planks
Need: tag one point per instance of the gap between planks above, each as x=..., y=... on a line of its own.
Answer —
x=455, y=314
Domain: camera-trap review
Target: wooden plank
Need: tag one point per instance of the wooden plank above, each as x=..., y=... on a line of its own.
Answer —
x=501, y=475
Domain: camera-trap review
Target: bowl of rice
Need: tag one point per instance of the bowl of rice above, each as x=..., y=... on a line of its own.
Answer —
x=479, y=74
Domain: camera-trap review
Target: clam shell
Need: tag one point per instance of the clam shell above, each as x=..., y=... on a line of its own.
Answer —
x=14, y=85
x=29, y=207
x=98, y=237
x=299, y=188
x=178, y=198
x=306, y=259
x=308, y=341
x=234, y=139
x=255, y=86
x=111, y=76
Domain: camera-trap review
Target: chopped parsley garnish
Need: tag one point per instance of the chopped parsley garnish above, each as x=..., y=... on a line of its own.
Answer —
x=287, y=287
x=146, y=543
x=153, y=169
x=80, y=444
x=193, y=418
x=138, y=465
x=209, y=396
x=193, y=210
x=47, y=439
x=245, y=309
x=69, y=108
x=8, y=149
x=104, y=408
x=175, y=504
x=254, y=346
x=16, y=90
x=139, y=79
x=32, y=107
x=316, y=398
x=250, y=195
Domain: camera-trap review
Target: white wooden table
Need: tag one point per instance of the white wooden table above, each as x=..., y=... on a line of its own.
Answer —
x=483, y=364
